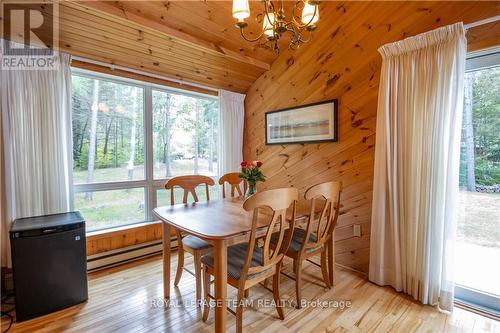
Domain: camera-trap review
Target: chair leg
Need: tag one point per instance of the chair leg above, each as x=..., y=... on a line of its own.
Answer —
x=276, y=292
x=239, y=311
x=298, y=281
x=324, y=269
x=180, y=260
x=197, y=273
x=206, y=292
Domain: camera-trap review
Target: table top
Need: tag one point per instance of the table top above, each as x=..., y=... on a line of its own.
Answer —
x=216, y=219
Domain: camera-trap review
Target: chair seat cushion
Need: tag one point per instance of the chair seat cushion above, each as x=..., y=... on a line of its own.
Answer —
x=297, y=240
x=236, y=256
x=195, y=243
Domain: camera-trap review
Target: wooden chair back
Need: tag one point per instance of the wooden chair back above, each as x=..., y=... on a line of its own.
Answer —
x=189, y=185
x=234, y=181
x=278, y=201
x=329, y=194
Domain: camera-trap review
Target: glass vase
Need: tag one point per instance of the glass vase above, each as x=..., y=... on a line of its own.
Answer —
x=251, y=190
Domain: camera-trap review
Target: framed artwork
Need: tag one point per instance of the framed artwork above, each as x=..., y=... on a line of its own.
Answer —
x=310, y=123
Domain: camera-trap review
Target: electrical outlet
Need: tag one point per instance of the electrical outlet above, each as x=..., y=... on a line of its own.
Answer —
x=357, y=230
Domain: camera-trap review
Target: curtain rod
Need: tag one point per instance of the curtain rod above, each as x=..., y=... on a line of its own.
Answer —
x=482, y=22
x=135, y=71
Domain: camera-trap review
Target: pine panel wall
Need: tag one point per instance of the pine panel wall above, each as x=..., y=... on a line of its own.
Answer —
x=342, y=62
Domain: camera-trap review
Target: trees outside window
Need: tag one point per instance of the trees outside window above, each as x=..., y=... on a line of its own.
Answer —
x=481, y=129
x=106, y=119
x=185, y=130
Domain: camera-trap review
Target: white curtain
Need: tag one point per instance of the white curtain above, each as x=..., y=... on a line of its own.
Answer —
x=36, y=120
x=232, y=117
x=4, y=231
x=417, y=164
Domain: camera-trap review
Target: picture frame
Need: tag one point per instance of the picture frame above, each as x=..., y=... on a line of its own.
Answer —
x=310, y=123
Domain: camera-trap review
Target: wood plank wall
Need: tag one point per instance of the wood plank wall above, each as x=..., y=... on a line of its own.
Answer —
x=99, y=242
x=342, y=62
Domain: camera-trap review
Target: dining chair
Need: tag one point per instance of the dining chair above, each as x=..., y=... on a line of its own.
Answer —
x=234, y=181
x=249, y=264
x=192, y=244
x=324, y=211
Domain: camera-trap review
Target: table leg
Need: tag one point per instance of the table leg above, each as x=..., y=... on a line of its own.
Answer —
x=220, y=246
x=166, y=260
x=331, y=258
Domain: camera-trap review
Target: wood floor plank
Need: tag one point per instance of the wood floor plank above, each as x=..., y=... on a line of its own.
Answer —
x=128, y=298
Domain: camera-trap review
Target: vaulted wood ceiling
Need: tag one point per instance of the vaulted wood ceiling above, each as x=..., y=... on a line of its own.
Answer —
x=193, y=41
x=210, y=21
x=160, y=37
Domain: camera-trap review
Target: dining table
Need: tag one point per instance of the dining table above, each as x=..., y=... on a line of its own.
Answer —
x=220, y=223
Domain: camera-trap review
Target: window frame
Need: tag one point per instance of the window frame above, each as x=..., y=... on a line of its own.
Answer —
x=482, y=59
x=149, y=183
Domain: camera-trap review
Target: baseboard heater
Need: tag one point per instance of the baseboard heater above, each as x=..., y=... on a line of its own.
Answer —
x=120, y=256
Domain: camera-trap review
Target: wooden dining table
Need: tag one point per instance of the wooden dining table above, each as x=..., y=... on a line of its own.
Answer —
x=219, y=222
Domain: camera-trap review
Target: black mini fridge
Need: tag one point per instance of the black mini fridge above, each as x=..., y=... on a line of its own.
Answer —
x=49, y=263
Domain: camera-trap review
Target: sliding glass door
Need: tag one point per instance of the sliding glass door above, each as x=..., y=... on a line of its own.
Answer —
x=478, y=239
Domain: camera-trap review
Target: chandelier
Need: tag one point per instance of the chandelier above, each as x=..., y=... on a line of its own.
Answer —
x=275, y=24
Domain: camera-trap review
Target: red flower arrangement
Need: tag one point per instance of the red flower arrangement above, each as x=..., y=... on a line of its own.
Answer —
x=245, y=164
x=250, y=171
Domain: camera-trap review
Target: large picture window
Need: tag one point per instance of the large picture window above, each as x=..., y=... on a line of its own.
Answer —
x=129, y=137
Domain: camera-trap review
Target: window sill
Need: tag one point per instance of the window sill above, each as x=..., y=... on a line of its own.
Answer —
x=104, y=233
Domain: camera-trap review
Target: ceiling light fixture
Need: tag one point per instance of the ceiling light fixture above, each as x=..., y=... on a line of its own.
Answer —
x=275, y=24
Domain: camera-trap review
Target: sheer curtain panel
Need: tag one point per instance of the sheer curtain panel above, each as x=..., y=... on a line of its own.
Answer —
x=232, y=116
x=4, y=231
x=36, y=120
x=417, y=163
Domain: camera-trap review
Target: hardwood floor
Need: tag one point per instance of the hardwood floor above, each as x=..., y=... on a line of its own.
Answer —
x=128, y=299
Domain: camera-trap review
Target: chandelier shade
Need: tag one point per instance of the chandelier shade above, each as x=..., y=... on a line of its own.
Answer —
x=241, y=9
x=309, y=14
x=267, y=24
